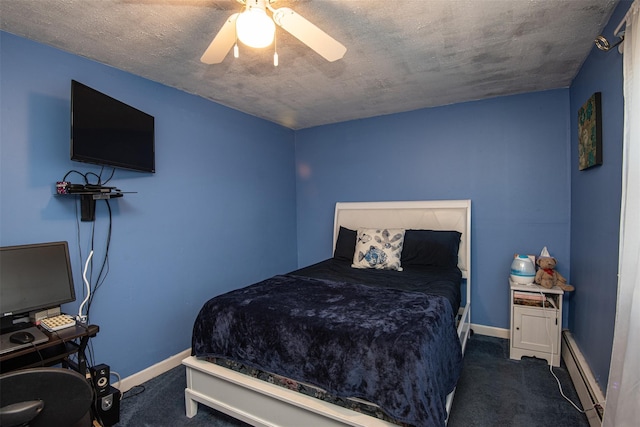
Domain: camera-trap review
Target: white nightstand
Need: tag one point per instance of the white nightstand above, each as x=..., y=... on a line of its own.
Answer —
x=535, y=328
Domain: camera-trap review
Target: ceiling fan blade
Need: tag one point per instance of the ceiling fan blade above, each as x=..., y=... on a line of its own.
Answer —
x=222, y=43
x=309, y=34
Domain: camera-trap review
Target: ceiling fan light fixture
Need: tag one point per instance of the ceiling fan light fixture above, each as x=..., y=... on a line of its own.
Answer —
x=254, y=28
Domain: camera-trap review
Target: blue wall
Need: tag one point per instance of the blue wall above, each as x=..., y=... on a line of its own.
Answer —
x=509, y=155
x=595, y=208
x=230, y=190
x=218, y=214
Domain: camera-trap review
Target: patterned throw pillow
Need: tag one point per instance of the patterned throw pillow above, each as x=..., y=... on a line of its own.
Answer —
x=378, y=248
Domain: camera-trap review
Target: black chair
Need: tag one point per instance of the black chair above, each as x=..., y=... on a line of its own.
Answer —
x=45, y=397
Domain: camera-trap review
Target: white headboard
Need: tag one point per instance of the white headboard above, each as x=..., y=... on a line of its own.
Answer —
x=416, y=215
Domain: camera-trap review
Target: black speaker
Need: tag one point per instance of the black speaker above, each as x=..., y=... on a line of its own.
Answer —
x=107, y=407
x=100, y=375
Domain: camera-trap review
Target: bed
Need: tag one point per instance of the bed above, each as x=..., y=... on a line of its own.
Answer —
x=384, y=354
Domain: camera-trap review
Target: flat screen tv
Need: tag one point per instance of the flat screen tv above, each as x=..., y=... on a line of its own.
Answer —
x=34, y=277
x=105, y=131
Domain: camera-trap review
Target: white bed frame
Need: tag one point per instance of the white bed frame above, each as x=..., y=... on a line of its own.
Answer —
x=263, y=404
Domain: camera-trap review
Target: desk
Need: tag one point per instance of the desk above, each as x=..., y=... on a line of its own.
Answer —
x=61, y=345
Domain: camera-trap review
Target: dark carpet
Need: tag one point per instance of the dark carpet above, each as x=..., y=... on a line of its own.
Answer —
x=497, y=391
x=492, y=391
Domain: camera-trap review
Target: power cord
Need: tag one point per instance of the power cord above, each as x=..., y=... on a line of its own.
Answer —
x=117, y=375
x=104, y=269
x=113, y=171
x=39, y=354
x=133, y=392
x=82, y=318
x=89, y=293
x=98, y=182
x=544, y=308
x=88, y=355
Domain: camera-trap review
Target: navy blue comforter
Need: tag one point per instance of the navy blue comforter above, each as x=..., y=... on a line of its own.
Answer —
x=396, y=348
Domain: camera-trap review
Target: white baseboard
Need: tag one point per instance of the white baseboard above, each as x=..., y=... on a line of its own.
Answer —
x=490, y=331
x=153, y=371
x=583, y=380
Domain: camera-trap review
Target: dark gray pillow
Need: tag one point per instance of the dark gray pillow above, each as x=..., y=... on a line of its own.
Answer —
x=435, y=248
x=346, y=244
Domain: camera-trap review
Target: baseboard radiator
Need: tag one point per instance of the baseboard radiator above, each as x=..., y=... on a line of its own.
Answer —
x=583, y=380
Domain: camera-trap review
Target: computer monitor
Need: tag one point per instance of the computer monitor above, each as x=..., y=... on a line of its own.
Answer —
x=34, y=277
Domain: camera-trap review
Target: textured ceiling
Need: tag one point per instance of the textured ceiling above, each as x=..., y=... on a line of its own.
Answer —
x=401, y=55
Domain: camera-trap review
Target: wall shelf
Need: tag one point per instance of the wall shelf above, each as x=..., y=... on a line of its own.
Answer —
x=88, y=200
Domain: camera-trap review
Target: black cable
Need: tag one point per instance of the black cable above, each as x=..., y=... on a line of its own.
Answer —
x=90, y=267
x=88, y=354
x=90, y=360
x=130, y=393
x=104, y=269
x=59, y=337
x=113, y=171
x=94, y=174
x=63, y=342
x=105, y=263
x=90, y=279
x=84, y=176
x=39, y=354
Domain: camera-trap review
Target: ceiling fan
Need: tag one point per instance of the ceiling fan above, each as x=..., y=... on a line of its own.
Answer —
x=255, y=28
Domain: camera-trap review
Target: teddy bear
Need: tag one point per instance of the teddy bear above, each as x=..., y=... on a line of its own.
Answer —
x=548, y=277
